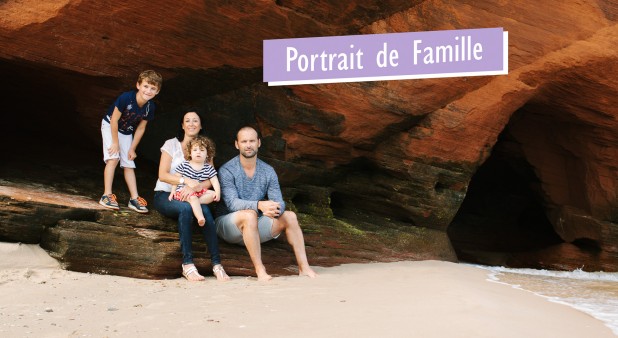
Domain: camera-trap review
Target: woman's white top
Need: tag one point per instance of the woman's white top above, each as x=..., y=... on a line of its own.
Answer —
x=174, y=149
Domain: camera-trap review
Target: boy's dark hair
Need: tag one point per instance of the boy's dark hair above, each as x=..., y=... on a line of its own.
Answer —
x=202, y=142
x=180, y=134
x=151, y=77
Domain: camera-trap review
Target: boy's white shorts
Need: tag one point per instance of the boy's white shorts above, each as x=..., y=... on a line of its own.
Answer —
x=124, y=142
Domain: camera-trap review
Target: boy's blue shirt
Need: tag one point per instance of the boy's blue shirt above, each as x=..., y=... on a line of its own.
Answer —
x=131, y=113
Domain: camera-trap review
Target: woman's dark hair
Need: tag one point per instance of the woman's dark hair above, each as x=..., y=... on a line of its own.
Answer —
x=180, y=134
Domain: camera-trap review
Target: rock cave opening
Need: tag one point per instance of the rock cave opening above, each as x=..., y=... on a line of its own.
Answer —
x=35, y=103
x=503, y=211
x=44, y=137
x=338, y=204
x=354, y=193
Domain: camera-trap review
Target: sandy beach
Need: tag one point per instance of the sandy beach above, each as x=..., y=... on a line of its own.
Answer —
x=403, y=299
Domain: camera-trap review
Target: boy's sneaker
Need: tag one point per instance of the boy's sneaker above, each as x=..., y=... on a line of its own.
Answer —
x=139, y=205
x=109, y=201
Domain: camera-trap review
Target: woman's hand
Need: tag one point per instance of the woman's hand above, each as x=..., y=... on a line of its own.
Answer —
x=185, y=192
x=192, y=183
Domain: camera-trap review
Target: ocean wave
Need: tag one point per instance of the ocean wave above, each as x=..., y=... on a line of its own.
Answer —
x=594, y=293
x=575, y=274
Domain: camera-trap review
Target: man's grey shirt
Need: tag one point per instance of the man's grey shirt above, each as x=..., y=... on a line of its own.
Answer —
x=239, y=192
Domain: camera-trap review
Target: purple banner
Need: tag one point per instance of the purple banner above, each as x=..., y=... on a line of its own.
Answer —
x=396, y=56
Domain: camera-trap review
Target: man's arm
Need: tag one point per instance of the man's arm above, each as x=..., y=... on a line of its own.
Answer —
x=230, y=195
x=274, y=191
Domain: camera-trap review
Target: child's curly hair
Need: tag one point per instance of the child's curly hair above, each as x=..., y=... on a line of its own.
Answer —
x=202, y=142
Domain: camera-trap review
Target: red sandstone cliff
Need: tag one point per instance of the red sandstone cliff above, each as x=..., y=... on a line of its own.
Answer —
x=403, y=150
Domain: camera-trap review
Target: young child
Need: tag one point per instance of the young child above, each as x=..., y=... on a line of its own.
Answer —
x=200, y=151
x=122, y=129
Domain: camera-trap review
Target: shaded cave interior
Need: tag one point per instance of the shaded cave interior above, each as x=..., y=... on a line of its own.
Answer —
x=35, y=106
x=44, y=136
x=503, y=211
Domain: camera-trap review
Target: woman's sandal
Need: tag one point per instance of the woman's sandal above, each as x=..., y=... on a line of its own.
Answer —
x=191, y=273
x=220, y=273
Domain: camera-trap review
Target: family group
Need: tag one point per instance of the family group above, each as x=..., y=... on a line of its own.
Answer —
x=249, y=206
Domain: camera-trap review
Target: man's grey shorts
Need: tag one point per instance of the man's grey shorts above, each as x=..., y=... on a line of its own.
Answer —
x=229, y=232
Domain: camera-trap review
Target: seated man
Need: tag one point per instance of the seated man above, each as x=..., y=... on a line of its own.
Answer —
x=253, y=210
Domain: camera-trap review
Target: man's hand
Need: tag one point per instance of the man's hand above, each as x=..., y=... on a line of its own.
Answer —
x=270, y=208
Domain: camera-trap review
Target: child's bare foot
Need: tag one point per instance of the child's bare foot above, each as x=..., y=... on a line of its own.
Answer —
x=220, y=273
x=201, y=222
x=307, y=271
x=189, y=271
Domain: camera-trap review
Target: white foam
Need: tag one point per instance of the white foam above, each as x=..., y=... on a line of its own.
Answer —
x=593, y=293
x=575, y=274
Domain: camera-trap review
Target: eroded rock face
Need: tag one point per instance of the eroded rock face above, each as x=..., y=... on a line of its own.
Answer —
x=85, y=237
x=400, y=150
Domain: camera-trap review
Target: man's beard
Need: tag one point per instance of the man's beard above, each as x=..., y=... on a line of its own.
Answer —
x=252, y=154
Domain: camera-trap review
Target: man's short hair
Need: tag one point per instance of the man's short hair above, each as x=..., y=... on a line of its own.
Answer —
x=248, y=127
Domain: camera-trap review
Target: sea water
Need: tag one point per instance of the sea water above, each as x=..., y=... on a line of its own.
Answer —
x=595, y=293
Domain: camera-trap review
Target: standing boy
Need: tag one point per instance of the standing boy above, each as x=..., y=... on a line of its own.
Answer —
x=122, y=129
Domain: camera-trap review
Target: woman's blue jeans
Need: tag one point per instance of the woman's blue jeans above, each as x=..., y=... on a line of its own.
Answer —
x=183, y=212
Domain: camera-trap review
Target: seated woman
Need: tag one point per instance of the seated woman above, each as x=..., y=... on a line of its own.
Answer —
x=172, y=154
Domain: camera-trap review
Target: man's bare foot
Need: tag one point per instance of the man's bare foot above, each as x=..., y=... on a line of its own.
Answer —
x=201, y=222
x=189, y=271
x=262, y=275
x=220, y=273
x=307, y=271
